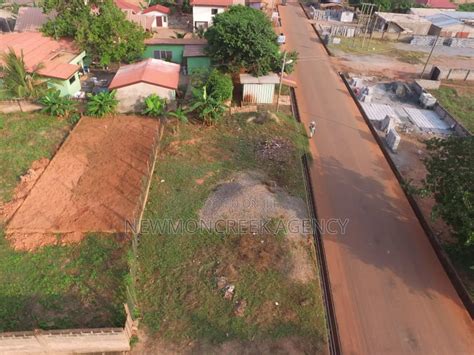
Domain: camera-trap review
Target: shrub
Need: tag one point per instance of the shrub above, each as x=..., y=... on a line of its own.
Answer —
x=208, y=108
x=55, y=105
x=219, y=85
x=101, y=104
x=180, y=114
x=154, y=106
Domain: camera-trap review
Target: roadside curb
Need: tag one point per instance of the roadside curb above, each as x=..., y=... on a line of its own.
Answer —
x=333, y=332
x=435, y=243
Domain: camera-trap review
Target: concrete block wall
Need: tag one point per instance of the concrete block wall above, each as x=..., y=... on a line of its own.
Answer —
x=451, y=120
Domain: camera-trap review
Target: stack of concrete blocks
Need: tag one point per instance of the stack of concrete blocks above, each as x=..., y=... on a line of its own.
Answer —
x=319, y=15
x=427, y=100
x=387, y=124
x=426, y=41
x=460, y=42
x=366, y=94
x=393, y=139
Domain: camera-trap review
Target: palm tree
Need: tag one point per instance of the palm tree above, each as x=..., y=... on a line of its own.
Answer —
x=18, y=81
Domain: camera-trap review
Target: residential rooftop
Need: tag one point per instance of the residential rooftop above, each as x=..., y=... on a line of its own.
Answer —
x=438, y=4
x=157, y=7
x=183, y=41
x=30, y=19
x=151, y=71
x=194, y=50
x=395, y=17
x=52, y=56
x=217, y=3
x=124, y=5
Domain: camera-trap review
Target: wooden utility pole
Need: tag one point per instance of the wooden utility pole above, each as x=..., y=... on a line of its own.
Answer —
x=429, y=56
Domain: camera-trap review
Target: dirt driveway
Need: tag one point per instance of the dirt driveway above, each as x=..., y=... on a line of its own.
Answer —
x=93, y=184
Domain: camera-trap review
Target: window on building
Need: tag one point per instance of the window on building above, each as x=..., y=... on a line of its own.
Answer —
x=164, y=55
x=214, y=11
x=165, y=19
x=72, y=79
x=201, y=24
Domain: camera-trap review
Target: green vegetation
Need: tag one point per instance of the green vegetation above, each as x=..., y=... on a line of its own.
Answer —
x=155, y=106
x=219, y=85
x=78, y=286
x=468, y=7
x=243, y=38
x=376, y=46
x=102, y=104
x=390, y=5
x=58, y=106
x=450, y=167
x=208, y=108
x=98, y=27
x=25, y=138
x=17, y=82
x=177, y=288
x=459, y=103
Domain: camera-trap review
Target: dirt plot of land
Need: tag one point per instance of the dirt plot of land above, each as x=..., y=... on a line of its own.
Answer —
x=93, y=184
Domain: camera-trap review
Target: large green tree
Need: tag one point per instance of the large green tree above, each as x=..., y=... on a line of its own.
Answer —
x=450, y=180
x=243, y=38
x=99, y=28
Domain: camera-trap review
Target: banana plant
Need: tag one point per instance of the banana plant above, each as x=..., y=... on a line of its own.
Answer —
x=209, y=109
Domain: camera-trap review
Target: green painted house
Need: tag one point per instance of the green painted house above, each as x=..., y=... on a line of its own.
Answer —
x=59, y=61
x=72, y=85
x=188, y=52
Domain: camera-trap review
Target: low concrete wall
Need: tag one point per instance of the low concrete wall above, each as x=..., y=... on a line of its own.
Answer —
x=10, y=106
x=451, y=120
x=70, y=341
x=65, y=341
x=421, y=84
x=453, y=74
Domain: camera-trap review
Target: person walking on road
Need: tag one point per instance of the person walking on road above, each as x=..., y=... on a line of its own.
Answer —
x=312, y=129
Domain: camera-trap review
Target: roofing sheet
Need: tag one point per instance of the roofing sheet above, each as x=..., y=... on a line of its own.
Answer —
x=31, y=19
x=194, y=50
x=377, y=112
x=54, y=56
x=151, y=71
x=157, y=7
x=442, y=20
x=426, y=119
x=218, y=3
x=266, y=79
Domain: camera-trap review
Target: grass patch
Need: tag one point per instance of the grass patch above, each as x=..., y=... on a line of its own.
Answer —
x=78, y=286
x=459, y=103
x=24, y=138
x=375, y=46
x=177, y=287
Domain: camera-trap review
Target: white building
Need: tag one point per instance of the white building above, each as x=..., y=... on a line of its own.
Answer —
x=159, y=13
x=205, y=10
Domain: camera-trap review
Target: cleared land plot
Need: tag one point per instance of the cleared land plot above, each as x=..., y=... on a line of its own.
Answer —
x=357, y=46
x=93, y=184
x=238, y=170
x=55, y=287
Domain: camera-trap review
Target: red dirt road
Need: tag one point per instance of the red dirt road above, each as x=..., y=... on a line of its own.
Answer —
x=391, y=294
x=93, y=183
